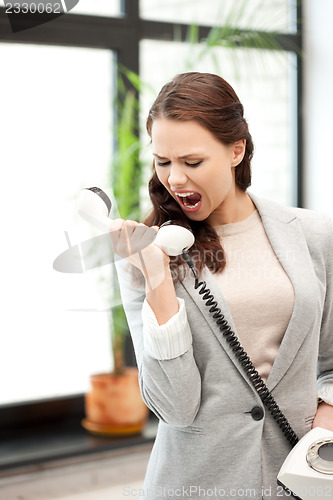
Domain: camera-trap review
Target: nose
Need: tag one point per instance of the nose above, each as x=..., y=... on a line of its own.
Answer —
x=177, y=176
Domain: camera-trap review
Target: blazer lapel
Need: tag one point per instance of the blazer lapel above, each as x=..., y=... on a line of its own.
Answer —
x=286, y=237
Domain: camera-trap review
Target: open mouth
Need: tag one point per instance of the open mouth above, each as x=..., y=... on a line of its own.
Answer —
x=190, y=199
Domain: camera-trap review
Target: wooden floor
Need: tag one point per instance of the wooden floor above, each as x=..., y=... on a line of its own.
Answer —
x=109, y=476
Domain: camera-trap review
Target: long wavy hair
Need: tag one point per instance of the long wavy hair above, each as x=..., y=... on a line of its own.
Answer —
x=211, y=101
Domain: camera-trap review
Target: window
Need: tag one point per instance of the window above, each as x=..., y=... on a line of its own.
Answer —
x=266, y=15
x=104, y=8
x=56, y=129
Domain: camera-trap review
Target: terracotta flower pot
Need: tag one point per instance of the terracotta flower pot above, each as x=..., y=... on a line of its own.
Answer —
x=114, y=405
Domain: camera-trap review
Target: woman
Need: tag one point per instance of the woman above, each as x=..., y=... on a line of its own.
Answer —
x=269, y=268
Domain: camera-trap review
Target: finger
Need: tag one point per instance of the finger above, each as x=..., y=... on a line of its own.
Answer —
x=146, y=237
x=142, y=237
x=129, y=226
x=115, y=230
x=134, y=237
x=116, y=224
x=131, y=223
x=127, y=236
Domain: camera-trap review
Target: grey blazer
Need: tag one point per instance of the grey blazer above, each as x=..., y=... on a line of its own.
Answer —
x=208, y=442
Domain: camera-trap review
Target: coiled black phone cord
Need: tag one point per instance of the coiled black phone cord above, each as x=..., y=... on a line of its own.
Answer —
x=243, y=358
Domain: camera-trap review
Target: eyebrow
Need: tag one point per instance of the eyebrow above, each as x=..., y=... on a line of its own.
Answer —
x=189, y=155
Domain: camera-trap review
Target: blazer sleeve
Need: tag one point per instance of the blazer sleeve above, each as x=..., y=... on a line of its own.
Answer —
x=325, y=358
x=171, y=388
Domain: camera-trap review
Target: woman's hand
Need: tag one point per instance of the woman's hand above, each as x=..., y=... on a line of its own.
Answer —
x=133, y=241
x=324, y=416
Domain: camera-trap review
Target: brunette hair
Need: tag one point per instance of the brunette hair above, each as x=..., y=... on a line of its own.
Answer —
x=211, y=101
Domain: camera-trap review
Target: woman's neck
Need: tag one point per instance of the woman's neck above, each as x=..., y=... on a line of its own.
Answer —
x=234, y=209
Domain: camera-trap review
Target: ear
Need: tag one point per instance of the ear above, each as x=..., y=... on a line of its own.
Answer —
x=238, y=152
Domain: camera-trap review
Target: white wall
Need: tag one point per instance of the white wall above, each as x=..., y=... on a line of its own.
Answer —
x=318, y=104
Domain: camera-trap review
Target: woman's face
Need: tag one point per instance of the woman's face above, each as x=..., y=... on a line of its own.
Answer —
x=197, y=170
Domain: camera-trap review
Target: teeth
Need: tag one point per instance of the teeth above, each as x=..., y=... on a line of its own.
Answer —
x=183, y=195
x=191, y=206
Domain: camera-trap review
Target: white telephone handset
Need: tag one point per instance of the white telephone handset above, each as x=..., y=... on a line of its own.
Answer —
x=95, y=206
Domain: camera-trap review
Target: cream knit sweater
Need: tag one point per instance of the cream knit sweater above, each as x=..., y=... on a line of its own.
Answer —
x=257, y=290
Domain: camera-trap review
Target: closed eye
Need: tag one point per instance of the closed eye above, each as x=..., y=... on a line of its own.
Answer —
x=163, y=164
x=193, y=164
x=166, y=163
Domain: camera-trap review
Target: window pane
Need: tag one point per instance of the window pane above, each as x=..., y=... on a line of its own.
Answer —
x=56, y=118
x=105, y=8
x=264, y=82
x=269, y=15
